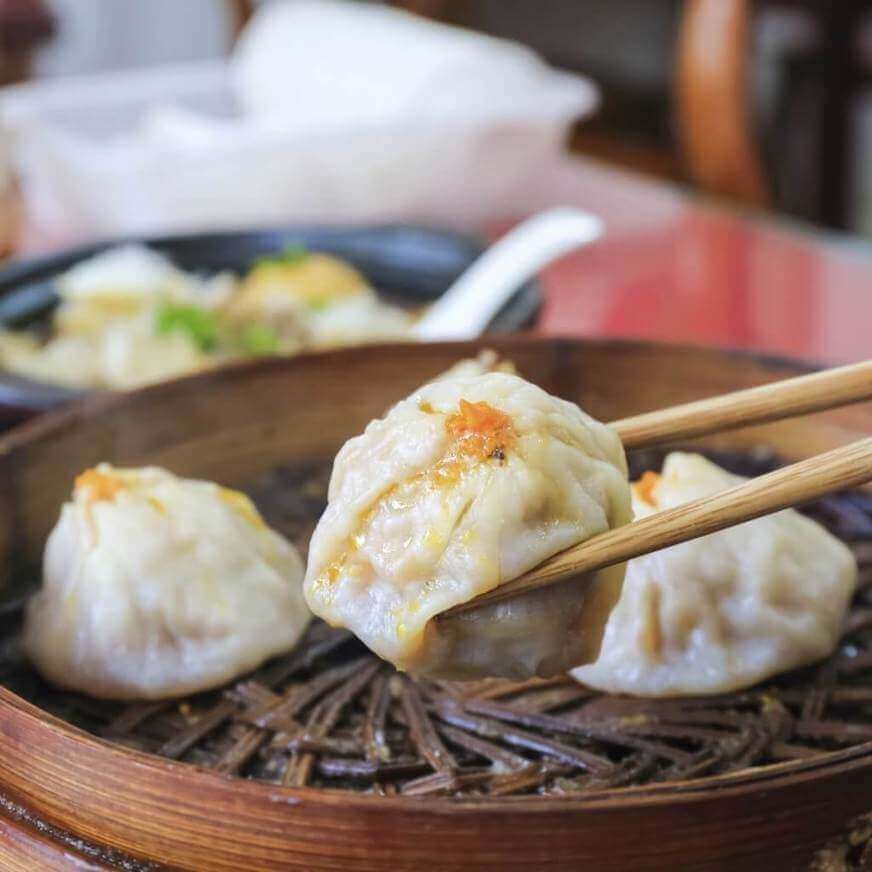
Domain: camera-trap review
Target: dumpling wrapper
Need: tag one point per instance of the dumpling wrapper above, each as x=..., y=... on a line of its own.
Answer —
x=725, y=611
x=466, y=484
x=104, y=331
x=125, y=353
x=125, y=281
x=487, y=360
x=71, y=361
x=156, y=586
x=131, y=354
x=124, y=271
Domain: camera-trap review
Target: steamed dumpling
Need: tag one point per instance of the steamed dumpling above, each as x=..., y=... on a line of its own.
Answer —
x=66, y=360
x=125, y=281
x=125, y=353
x=130, y=353
x=156, y=586
x=725, y=611
x=461, y=487
x=315, y=299
x=104, y=330
x=125, y=272
x=487, y=360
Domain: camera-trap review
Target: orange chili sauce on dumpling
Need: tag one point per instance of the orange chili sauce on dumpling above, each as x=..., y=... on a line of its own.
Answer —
x=479, y=430
x=645, y=486
x=99, y=485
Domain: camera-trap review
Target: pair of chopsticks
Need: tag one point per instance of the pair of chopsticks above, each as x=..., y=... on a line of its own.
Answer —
x=792, y=485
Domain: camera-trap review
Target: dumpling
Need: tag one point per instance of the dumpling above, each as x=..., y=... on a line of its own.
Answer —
x=125, y=281
x=315, y=299
x=70, y=361
x=461, y=487
x=129, y=272
x=487, y=360
x=298, y=281
x=130, y=353
x=156, y=586
x=725, y=611
x=125, y=353
x=106, y=331
x=356, y=321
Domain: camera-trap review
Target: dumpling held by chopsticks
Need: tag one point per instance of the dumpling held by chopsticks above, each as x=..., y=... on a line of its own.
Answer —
x=465, y=485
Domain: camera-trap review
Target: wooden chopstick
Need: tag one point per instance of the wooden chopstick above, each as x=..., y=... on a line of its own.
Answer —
x=783, y=399
x=844, y=467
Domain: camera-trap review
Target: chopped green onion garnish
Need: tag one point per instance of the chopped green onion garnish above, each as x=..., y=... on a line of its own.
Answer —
x=259, y=339
x=319, y=304
x=199, y=324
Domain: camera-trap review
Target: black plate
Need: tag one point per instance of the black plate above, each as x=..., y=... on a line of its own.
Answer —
x=407, y=265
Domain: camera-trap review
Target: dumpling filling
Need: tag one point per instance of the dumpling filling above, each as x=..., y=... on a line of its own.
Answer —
x=156, y=586
x=725, y=611
x=461, y=487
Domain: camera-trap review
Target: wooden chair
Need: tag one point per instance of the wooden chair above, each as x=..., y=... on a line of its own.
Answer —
x=712, y=101
x=712, y=113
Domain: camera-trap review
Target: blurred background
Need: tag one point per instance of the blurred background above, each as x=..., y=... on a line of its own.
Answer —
x=721, y=143
x=764, y=102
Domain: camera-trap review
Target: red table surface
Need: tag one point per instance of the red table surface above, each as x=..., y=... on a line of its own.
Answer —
x=674, y=267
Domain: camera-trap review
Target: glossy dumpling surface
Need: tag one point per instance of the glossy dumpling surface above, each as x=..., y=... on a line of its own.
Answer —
x=156, y=586
x=727, y=610
x=461, y=487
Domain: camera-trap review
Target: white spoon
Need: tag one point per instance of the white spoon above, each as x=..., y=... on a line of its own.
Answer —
x=467, y=307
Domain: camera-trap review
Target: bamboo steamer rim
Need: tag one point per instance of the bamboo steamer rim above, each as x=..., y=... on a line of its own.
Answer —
x=767, y=776
x=104, y=402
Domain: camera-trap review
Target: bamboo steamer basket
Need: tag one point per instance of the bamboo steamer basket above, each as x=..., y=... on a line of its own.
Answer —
x=71, y=800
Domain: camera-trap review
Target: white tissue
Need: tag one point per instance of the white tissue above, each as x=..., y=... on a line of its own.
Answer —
x=323, y=65
x=328, y=111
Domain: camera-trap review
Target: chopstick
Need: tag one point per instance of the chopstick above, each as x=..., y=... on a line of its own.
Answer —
x=783, y=399
x=844, y=467
x=800, y=482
